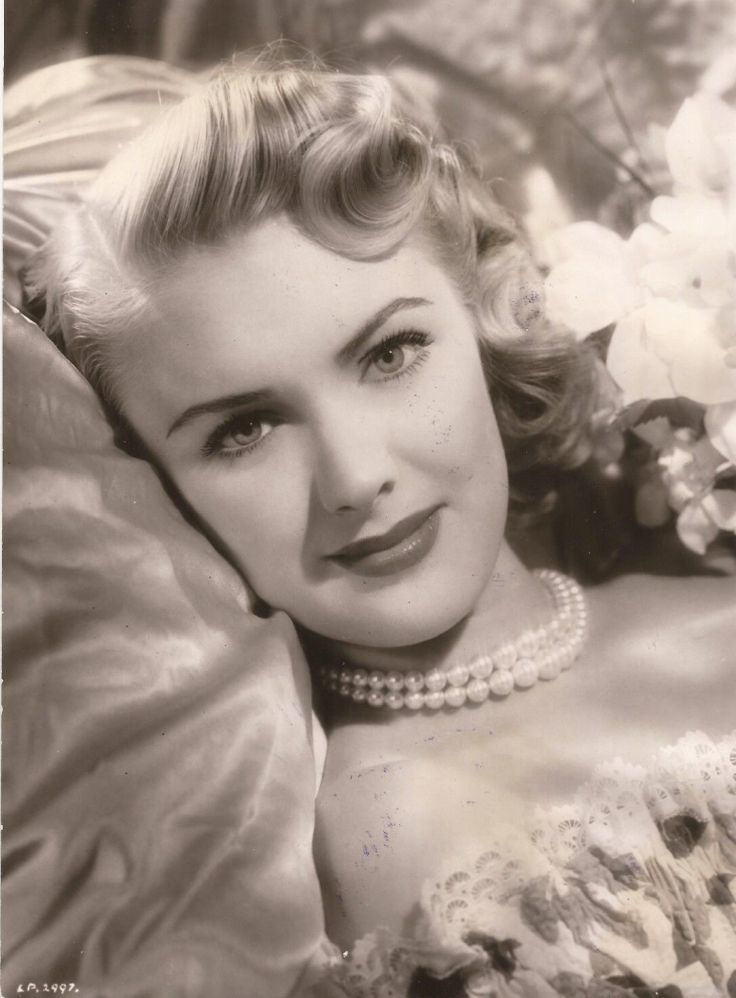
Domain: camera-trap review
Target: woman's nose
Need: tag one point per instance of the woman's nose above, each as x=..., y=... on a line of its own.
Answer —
x=353, y=466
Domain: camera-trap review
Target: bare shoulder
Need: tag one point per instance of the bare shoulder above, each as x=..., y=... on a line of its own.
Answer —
x=366, y=845
x=382, y=831
x=661, y=660
x=651, y=618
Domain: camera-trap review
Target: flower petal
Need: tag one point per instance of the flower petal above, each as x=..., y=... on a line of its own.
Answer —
x=720, y=425
x=585, y=239
x=693, y=154
x=591, y=283
x=687, y=342
x=695, y=528
x=635, y=367
x=585, y=296
x=720, y=505
x=694, y=214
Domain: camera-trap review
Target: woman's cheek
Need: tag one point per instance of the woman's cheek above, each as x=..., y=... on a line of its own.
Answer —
x=458, y=432
x=249, y=510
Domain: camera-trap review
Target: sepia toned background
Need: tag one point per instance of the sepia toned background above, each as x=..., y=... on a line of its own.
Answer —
x=573, y=84
x=144, y=853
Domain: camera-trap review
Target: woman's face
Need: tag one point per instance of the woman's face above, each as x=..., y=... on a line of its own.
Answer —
x=330, y=422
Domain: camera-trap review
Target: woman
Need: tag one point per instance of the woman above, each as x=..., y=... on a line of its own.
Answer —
x=316, y=321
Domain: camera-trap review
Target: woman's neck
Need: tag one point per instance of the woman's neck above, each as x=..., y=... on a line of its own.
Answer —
x=512, y=601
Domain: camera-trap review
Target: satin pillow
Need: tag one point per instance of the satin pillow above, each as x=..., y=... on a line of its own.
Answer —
x=158, y=767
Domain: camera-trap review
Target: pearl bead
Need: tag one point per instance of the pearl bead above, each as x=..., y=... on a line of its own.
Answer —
x=527, y=644
x=481, y=667
x=435, y=680
x=414, y=700
x=501, y=682
x=525, y=673
x=477, y=690
x=458, y=675
x=549, y=667
x=393, y=700
x=414, y=681
x=504, y=657
x=434, y=699
x=544, y=642
x=455, y=696
x=539, y=653
x=567, y=658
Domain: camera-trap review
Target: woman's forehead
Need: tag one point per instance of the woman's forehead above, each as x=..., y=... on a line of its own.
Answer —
x=273, y=285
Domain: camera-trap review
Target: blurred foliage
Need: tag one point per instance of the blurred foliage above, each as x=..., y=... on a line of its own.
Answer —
x=566, y=84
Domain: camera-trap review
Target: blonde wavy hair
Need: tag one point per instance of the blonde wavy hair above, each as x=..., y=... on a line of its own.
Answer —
x=357, y=169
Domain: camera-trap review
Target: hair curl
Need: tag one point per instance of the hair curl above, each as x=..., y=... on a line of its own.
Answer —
x=357, y=170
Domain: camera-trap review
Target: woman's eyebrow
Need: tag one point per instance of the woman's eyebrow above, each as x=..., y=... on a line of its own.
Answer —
x=365, y=332
x=346, y=353
x=216, y=405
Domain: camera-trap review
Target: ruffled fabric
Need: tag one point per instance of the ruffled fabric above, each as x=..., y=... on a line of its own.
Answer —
x=630, y=889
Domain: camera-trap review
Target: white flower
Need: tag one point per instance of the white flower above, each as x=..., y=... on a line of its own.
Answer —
x=699, y=146
x=670, y=290
x=699, y=522
x=667, y=349
x=593, y=281
x=689, y=472
x=671, y=287
x=685, y=477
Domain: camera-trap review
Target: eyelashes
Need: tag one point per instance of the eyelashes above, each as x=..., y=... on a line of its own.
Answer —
x=250, y=430
x=251, y=427
x=391, y=352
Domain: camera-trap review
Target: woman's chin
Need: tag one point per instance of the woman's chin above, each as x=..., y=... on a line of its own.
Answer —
x=399, y=629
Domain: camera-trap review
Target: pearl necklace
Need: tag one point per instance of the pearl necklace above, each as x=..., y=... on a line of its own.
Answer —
x=539, y=653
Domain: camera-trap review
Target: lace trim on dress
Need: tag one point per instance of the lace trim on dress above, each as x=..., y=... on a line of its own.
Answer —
x=630, y=890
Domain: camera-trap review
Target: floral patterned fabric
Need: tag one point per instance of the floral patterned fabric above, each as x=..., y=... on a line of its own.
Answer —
x=628, y=890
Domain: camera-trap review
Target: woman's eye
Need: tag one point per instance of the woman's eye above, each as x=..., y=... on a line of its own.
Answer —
x=238, y=435
x=247, y=433
x=397, y=354
x=390, y=360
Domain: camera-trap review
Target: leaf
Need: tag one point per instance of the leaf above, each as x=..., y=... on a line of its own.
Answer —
x=650, y=504
x=657, y=432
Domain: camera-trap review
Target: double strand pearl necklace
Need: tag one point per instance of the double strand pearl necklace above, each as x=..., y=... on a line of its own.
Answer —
x=539, y=653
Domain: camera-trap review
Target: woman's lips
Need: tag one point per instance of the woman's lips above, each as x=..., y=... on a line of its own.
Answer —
x=405, y=544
